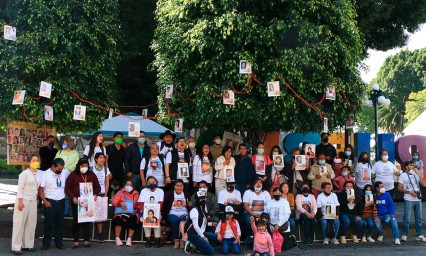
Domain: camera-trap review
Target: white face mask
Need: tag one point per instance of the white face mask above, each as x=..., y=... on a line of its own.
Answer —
x=412, y=172
x=257, y=189
x=385, y=158
x=274, y=153
x=84, y=169
x=203, y=190
x=192, y=145
x=217, y=141
x=128, y=188
x=382, y=190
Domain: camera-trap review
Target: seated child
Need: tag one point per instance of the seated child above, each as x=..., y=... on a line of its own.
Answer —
x=228, y=232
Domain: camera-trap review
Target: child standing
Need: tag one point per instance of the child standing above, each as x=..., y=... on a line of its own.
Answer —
x=263, y=245
x=370, y=216
x=228, y=232
x=339, y=181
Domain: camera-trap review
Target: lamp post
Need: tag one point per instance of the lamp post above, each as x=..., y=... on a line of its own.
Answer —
x=376, y=98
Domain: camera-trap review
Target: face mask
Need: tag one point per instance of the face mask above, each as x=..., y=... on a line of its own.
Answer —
x=119, y=141
x=128, y=188
x=337, y=161
x=256, y=189
x=368, y=192
x=58, y=172
x=305, y=190
x=415, y=158
x=277, y=197
x=203, y=190
x=260, y=150
x=325, y=139
x=192, y=145
x=385, y=158
x=152, y=186
x=84, y=169
x=34, y=165
x=51, y=144
x=217, y=141
x=229, y=216
x=65, y=146
x=411, y=172
x=348, y=153
x=275, y=153
x=382, y=190
x=230, y=188
x=321, y=162
x=344, y=174
x=141, y=140
x=364, y=160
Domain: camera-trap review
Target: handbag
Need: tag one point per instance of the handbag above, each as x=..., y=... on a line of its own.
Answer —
x=283, y=227
x=129, y=205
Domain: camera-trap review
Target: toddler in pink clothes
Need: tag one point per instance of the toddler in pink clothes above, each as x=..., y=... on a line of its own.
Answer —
x=263, y=245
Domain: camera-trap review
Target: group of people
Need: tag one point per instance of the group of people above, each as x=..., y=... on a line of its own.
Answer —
x=206, y=207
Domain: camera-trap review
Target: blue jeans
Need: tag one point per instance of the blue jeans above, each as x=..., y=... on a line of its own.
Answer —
x=370, y=223
x=54, y=216
x=347, y=219
x=200, y=244
x=249, y=231
x=67, y=205
x=410, y=206
x=228, y=246
x=393, y=223
x=324, y=228
x=260, y=254
x=174, y=223
x=292, y=223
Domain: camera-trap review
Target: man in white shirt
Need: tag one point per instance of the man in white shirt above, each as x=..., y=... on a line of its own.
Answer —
x=409, y=184
x=52, y=192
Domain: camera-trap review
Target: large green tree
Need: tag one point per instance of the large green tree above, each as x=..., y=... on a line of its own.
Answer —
x=415, y=105
x=310, y=44
x=71, y=44
x=400, y=75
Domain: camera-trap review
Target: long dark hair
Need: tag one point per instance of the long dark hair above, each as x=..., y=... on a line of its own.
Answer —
x=272, y=151
x=92, y=145
x=209, y=156
x=352, y=156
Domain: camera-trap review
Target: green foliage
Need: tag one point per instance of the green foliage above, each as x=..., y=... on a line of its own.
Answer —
x=71, y=44
x=311, y=44
x=365, y=119
x=400, y=75
x=415, y=105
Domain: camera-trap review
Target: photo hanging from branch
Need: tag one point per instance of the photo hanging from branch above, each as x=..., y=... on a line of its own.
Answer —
x=45, y=90
x=330, y=93
x=144, y=113
x=273, y=89
x=134, y=129
x=18, y=97
x=9, y=33
x=228, y=97
x=79, y=113
x=179, y=125
x=245, y=67
x=169, y=91
x=48, y=113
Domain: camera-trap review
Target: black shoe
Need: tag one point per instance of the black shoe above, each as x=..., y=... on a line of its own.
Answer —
x=17, y=252
x=60, y=246
x=88, y=245
x=158, y=243
x=29, y=249
x=148, y=243
x=100, y=238
x=44, y=248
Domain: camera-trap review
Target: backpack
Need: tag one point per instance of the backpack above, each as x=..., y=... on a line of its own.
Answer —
x=290, y=241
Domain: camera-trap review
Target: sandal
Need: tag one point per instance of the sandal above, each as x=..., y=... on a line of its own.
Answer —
x=75, y=246
x=87, y=245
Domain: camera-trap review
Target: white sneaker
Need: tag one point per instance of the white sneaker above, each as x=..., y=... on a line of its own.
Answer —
x=380, y=238
x=363, y=239
x=129, y=242
x=342, y=239
x=397, y=242
x=403, y=238
x=355, y=239
x=421, y=238
x=118, y=241
x=326, y=240
x=371, y=240
x=334, y=241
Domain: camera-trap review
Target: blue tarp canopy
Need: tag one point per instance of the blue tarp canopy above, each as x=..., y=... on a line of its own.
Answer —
x=121, y=124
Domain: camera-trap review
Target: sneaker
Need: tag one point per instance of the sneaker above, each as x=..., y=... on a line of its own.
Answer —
x=397, y=242
x=421, y=238
x=334, y=241
x=129, y=242
x=355, y=239
x=371, y=240
x=343, y=240
x=118, y=241
x=380, y=238
x=326, y=240
x=187, y=248
x=363, y=239
x=403, y=238
x=100, y=238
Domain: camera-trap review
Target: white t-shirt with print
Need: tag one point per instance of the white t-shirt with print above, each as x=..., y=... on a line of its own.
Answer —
x=155, y=168
x=198, y=172
x=165, y=150
x=54, y=184
x=229, y=197
x=181, y=159
x=97, y=150
x=412, y=186
x=101, y=176
x=257, y=203
x=179, y=205
x=151, y=197
x=323, y=201
x=363, y=175
x=384, y=173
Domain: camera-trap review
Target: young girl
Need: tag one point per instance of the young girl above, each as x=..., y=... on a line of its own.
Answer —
x=369, y=214
x=263, y=245
x=95, y=146
x=229, y=233
x=339, y=181
x=104, y=175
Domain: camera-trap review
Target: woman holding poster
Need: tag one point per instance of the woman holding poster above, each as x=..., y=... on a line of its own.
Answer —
x=263, y=166
x=77, y=189
x=223, y=162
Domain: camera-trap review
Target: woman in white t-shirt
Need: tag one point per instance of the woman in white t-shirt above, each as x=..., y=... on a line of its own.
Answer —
x=154, y=167
x=202, y=166
x=306, y=209
x=362, y=173
x=95, y=146
x=326, y=202
x=223, y=162
x=104, y=176
x=384, y=171
x=152, y=195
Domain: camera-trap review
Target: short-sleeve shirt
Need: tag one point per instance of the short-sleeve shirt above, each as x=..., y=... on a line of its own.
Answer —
x=257, y=203
x=323, y=201
x=97, y=150
x=363, y=175
x=412, y=186
x=101, y=176
x=229, y=197
x=179, y=205
x=155, y=168
x=384, y=173
x=151, y=197
x=54, y=184
x=181, y=159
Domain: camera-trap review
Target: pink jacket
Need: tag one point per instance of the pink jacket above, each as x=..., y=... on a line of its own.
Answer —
x=262, y=241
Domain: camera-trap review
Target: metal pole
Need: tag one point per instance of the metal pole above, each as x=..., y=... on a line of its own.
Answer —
x=376, y=125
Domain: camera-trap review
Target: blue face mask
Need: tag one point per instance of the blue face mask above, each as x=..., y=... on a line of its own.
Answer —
x=152, y=186
x=368, y=192
x=321, y=162
x=415, y=158
x=260, y=151
x=348, y=153
x=344, y=174
x=65, y=146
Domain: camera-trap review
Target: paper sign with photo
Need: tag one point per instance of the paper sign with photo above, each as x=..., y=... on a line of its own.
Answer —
x=330, y=212
x=134, y=129
x=86, y=189
x=169, y=91
x=48, y=113
x=232, y=140
x=258, y=205
x=86, y=209
x=273, y=89
x=9, y=33
x=300, y=162
x=45, y=90
x=179, y=125
x=145, y=113
x=310, y=150
x=79, y=112
x=18, y=97
x=183, y=170
x=228, y=174
x=151, y=215
x=110, y=113
x=260, y=166
x=206, y=167
x=245, y=67
x=347, y=163
x=369, y=199
x=278, y=160
x=325, y=124
x=350, y=123
x=228, y=97
x=351, y=193
x=330, y=93
x=322, y=170
x=101, y=209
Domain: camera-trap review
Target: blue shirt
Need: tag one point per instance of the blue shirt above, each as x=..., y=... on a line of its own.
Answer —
x=141, y=150
x=385, y=204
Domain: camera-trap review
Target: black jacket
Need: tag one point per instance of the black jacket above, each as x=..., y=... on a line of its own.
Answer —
x=175, y=159
x=132, y=161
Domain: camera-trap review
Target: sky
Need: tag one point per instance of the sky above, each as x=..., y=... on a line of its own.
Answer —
x=377, y=58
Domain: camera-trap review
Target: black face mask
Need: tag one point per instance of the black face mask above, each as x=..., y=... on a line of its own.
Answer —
x=51, y=144
x=325, y=139
x=363, y=160
x=230, y=188
x=58, y=172
x=277, y=197
x=305, y=190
